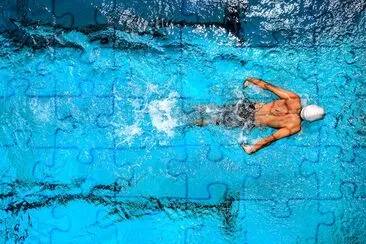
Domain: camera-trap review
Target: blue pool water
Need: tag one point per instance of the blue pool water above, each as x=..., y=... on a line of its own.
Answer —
x=95, y=148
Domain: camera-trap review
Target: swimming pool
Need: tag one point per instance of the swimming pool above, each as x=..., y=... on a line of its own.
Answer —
x=95, y=149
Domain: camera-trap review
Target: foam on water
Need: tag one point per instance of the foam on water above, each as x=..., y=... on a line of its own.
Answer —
x=128, y=133
x=163, y=114
x=41, y=111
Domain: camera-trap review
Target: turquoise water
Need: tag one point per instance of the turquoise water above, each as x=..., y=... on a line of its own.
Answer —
x=95, y=149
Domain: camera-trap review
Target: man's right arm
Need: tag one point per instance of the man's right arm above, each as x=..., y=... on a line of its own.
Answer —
x=281, y=133
x=282, y=93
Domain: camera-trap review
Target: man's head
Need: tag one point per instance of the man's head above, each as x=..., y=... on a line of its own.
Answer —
x=312, y=113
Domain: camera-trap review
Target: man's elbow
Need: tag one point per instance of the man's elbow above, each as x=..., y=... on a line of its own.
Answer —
x=293, y=96
x=295, y=129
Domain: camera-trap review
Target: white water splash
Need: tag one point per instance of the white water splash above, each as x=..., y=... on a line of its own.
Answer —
x=242, y=139
x=41, y=111
x=128, y=133
x=162, y=114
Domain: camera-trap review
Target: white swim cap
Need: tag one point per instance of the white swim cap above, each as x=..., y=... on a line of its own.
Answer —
x=312, y=113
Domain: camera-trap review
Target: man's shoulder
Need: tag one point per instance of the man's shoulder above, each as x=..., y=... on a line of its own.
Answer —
x=294, y=103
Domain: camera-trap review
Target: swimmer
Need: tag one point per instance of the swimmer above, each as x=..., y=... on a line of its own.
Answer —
x=284, y=114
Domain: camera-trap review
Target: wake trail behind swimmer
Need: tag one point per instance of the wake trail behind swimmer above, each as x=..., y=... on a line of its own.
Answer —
x=236, y=115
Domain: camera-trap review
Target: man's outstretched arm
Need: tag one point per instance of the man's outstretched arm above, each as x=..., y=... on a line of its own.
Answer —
x=281, y=133
x=282, y=93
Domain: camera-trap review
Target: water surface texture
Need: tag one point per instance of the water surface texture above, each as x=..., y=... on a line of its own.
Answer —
x=94, y=141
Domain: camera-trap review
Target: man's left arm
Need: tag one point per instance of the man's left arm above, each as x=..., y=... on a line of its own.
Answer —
x=281, y=133
x=280, y=92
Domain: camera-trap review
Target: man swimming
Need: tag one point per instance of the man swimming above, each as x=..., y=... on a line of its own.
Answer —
x=284, y=114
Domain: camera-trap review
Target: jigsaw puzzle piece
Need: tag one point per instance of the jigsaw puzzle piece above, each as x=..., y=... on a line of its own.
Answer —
x=78, y=128
x=46, y=224
x=86, y=14
x=59, y=165
x=343, y=124
x=344, y=78
x=251, y=30
x=108, y=70
x=207, y=80
x=77, y=82
x=14, y=228
x=11, y=86
x=206, y=164
x=101, y=174
x=29, y=124
x=348, y=216
x=166, y=11
x=61, y=12
x=204, y=12
x=275, y=66
x=125, y=15
x=64, y=78
x=153, y=229
x=17, y=150
x=103, y=168
x=273, y=29
x=84, y=227
x=43, y=78
x=41, y=11
x=282, y=180
x=125, y=121
x=43, y=121
x=7, y=11
x=33, y=114
x=292, y=75
x=328, y=169
x=102, y=13
x=8, y=171
x=296, y=220
x=149, y=77
x=14, y=121
x=227, y=220
x=149, y=173
x=354, y=169
x=142, y=214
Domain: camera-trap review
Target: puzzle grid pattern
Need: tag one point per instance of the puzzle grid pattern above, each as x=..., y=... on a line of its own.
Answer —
x=309, y=187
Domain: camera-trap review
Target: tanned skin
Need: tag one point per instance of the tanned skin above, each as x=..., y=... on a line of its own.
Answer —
x=282, y=114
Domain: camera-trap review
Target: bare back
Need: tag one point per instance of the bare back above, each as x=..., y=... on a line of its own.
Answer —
x=282, y=113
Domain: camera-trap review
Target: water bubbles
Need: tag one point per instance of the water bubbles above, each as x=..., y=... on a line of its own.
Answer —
x=127, y=133
x=42, y=111
x=162, y=114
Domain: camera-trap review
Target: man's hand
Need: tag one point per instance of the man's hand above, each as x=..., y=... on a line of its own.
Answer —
x=255, y=81
x=251, y=79
x=246, y=84
x=282, y=93
x=247, y=148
